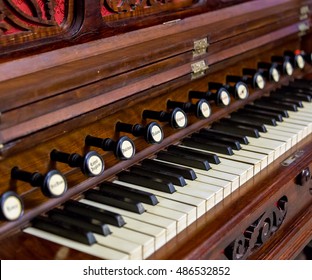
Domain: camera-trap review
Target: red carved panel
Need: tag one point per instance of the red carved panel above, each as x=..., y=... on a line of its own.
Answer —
x=110, y=9
x=37, y=18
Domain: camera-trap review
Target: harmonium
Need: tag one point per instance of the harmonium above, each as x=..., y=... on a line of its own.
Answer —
x=155, y=129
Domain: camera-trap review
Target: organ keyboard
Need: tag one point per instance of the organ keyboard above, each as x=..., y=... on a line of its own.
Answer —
x=155, y=129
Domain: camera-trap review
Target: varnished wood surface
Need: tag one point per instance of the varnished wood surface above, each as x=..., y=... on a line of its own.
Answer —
x=52, y=100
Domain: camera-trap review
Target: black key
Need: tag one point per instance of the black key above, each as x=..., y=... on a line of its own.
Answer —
x=216, y=134
x=234, y=144
x=187, y=173
x=301, y=83
x=180, y=151
x=64, y=230
x=176, y=179
x=291, y=89
x=146, y=181
x=242, y=130
x=202, y=144
x=291, y=100
x=145, y=197
x=277, y=104
x=90, y=211
x=212, y=158
x=253, y=118
x=184, y=160
x=268, y=108
x=294, y=90
x=291, y=96
x=115, y=200
x=251, y=109
x=88, y=224
x=291, y=105
x=238, y=123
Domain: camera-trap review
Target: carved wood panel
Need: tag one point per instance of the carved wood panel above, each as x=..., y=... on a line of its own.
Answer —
x=26, y=20
x=111, y=8
x=41, y=25
x=258, y=232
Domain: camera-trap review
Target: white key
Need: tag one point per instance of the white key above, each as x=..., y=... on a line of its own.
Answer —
x=207, y=195
x=262, y=157
x=268, y=152
x=302, y=131
x=175, y=215
x=226, y=177
x=214, y=184
x=255, y=163
x=159, y=234
x=204, y=186
x=239, y=165
x=189, y=210
x=94, y=250
x=304, y=118
x=280, y=138
x=283, y=127
x=278, y=147
x=134, y=250
x=299, y=123
x=291, y=136
x=169, y=225
x=199, y=203
x=147, y=242
x=307, y=105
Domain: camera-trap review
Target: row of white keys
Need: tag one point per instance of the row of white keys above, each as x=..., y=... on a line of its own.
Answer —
x=269, y=153
x=292, y=136
x=241, y=161
x=189, y=210
x=278, y=147
x=122, y=240
x=198, y=203
x=169, y=225
x=136, y=239
x=263, y=158
x=235, y=175
x=216, y=191
x=224, y=177
x=95, y=250
x=211, y=182
x=228, y=182
x=133, y=249
x=277, y=137
x=291, y=130
x=148, y=223
x=159, y=234
x=147, y=242
x=296, y=125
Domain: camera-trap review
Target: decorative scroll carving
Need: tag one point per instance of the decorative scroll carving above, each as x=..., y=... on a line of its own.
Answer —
x=258, y=232
x=111, y=7
x=18, y=16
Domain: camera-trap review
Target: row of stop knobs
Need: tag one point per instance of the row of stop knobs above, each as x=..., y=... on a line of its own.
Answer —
x=54, y=184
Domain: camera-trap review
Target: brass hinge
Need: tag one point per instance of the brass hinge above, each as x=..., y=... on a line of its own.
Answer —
x=200, y=47
x=303, y=27
x=304, y=12
x=199, y=69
